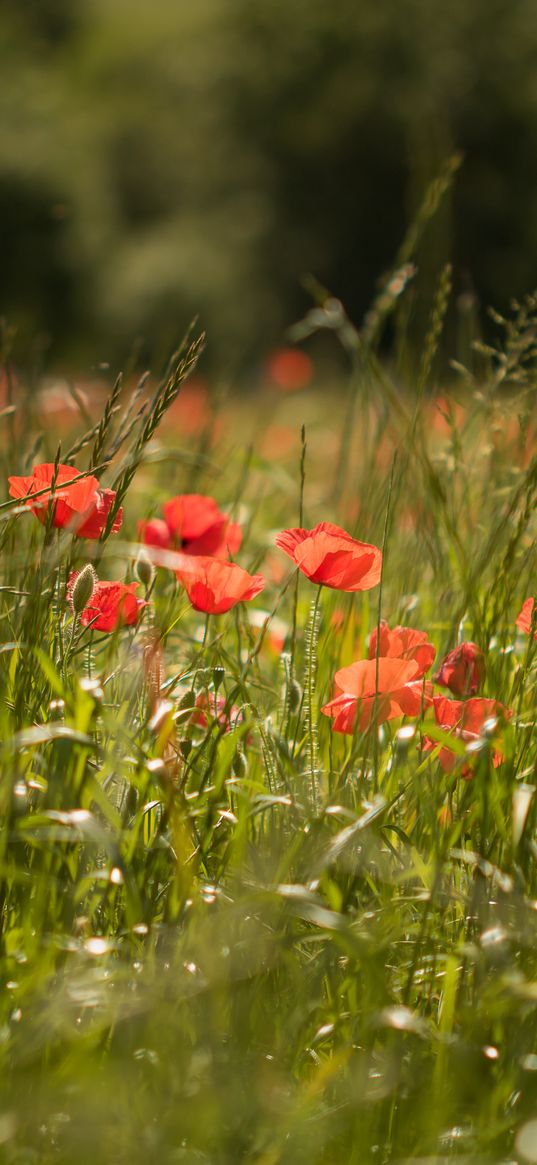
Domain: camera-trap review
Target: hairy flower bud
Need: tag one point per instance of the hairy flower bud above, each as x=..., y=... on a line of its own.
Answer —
x=81, y=588
x=144, y=569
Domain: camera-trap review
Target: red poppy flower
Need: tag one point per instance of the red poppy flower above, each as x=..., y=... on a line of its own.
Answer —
x=462, y=670
x=464, y=719
x=155, y=533
x=403, y=643
x=328, y=555
x=112, y=604
x=523, y=621
x=397, y=693
x=214, y=585
x=81, y=507
x=289, y=368
x=192, y=523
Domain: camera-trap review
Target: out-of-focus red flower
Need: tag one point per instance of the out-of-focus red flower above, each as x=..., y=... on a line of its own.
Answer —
x=195, y=524
x=155, y=533
x=55, y=399
x=191, y=410
x=445, y=817
x=444, y=415
x=523, y=620
x=289, y=369
x=274, y=567
x=462, y=670
x=81, y=507
x=358, y=699
x=112, y=604
x=214, y=585
x=464, y=719
x=328, y=555
x=209, y=706
x=278, y=441
x=403, y=643
x=275, y=630
x=337, y=619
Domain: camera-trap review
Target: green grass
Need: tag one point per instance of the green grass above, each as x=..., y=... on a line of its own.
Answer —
x=268, y=942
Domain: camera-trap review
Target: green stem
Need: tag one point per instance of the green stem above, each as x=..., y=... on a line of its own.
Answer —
x=311, y=674
x=379, y=618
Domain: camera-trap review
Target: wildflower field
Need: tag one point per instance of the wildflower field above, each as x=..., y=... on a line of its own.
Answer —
x=268, y=850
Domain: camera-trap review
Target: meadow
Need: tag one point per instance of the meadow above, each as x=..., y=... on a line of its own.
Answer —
x=268, y=851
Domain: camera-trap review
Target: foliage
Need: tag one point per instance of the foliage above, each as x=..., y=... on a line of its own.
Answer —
x=229, y=933
x=163, y=160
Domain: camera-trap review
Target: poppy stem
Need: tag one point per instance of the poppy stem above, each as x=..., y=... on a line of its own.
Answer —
x=205, y=632
x=379, y=619
x=70, y=645
x=311, y=704
x=303, y=448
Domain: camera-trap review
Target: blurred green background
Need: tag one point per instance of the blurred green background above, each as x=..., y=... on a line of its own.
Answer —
x=170, y=158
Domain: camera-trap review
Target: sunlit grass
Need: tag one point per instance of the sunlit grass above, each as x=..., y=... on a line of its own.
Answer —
x=229, y=933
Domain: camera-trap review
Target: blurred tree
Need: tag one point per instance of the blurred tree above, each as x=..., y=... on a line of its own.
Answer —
x=50, y=21
x=167, y=159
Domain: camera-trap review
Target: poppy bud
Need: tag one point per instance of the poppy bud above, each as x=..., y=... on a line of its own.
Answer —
x=83, y=588
x=144, y=569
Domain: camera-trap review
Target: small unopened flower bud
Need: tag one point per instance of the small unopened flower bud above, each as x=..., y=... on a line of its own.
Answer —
x=218, y=677
x=82, y=588
x=144, y=569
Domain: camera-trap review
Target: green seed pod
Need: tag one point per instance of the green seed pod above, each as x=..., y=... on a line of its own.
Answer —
x=83, y=588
